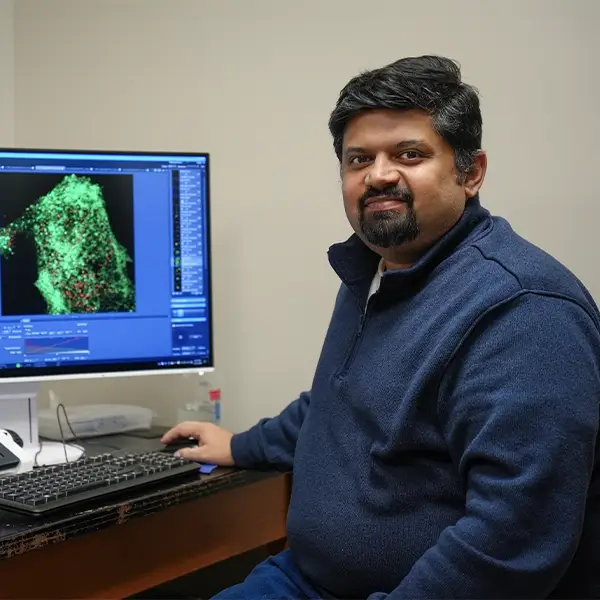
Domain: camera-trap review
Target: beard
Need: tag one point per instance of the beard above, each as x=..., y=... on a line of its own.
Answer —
x=389, y=228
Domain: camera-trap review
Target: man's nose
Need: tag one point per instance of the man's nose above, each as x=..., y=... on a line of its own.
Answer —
x=382, y=174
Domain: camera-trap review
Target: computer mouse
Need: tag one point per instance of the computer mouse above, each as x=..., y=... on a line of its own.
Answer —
x=16, y=437
x=179, y=443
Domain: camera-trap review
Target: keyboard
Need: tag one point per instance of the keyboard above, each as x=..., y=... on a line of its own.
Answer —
x=51, y=488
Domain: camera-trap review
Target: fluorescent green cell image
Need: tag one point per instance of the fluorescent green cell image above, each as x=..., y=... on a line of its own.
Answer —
x=81, y=267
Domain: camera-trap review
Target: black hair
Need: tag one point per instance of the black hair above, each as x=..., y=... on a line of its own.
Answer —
x=429, y=83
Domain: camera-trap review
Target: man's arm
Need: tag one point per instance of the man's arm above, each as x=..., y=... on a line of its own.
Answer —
x=519, y=410
x=271, y=443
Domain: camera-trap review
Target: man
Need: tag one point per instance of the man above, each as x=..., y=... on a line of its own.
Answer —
x=447, y=446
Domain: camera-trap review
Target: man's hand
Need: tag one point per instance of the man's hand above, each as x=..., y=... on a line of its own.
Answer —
x=214, y=442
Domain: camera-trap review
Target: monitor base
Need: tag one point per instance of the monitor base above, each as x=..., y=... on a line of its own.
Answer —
x=18, y=411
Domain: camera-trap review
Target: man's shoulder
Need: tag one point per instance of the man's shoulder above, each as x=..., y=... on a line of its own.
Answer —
x=521, y=266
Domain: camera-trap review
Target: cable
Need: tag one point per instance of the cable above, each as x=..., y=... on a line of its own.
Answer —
x=35, y=465
x=80, y=444
x=62, y=435
x=60, y=406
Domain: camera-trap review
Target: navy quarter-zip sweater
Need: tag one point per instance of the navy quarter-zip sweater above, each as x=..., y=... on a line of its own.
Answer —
x=447, y=444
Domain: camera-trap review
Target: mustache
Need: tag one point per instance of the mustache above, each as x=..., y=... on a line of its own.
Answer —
x=395, y=193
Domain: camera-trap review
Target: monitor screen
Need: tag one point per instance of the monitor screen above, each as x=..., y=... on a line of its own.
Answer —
x=104, y=263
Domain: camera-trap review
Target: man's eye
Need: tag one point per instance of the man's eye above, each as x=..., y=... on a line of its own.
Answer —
x=357, y=160
x=410, y=155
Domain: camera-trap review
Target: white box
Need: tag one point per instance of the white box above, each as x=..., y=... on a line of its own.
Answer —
x=93, y=420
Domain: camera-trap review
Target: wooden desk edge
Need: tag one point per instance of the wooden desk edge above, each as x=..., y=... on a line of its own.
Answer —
x=147, y=551
x=139, y=505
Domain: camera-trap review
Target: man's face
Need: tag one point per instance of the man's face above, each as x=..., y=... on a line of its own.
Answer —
x=399, y=180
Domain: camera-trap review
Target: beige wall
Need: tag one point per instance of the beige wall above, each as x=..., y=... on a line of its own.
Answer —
x=253, y=81
x=7, y=73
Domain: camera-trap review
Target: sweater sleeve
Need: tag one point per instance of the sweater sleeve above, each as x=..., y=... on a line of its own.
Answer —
x=519, y=411
x=271, y=443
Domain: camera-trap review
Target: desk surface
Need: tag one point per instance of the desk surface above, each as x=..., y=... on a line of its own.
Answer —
x=187, y=524
x=21, y=533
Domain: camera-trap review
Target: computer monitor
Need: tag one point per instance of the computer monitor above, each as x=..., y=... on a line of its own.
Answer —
x=105, y=265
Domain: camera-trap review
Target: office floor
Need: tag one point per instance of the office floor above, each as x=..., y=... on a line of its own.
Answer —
x=207, y=582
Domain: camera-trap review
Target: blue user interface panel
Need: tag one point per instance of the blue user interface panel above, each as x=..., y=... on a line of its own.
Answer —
x=104, y=262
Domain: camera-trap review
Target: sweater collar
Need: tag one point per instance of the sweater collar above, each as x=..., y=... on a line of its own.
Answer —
x=356, y=264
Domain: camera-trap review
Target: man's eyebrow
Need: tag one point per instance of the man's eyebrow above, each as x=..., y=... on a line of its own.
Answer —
x=355, y=150
x=410, y=143
x=399, y=146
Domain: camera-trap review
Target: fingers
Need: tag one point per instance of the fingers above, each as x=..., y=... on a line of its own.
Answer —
x=196, y=453
x=183, y=430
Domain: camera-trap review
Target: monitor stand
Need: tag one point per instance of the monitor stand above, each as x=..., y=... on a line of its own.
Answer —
x=18, y=413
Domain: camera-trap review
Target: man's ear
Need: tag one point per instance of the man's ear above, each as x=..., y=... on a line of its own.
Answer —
x=474, y=178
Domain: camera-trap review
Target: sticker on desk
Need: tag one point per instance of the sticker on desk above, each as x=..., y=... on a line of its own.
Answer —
x=207, y=469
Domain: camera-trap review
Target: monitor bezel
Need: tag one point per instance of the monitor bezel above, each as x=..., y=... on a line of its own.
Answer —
x=125, y=369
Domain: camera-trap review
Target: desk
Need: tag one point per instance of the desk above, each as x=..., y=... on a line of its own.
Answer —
x=153, y=536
